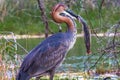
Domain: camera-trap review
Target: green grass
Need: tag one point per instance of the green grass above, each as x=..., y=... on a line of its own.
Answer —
x=103, y=20
x=28, y=21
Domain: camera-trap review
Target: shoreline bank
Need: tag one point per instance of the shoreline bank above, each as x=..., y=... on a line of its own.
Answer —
x=11, y=36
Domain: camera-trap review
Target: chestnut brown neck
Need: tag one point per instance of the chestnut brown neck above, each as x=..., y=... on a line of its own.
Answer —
x=71, y=24
x=64, y=19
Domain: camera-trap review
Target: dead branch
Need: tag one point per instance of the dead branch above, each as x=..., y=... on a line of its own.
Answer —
x=44, y=17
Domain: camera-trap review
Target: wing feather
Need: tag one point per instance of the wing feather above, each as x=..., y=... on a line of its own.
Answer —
x=45, y=57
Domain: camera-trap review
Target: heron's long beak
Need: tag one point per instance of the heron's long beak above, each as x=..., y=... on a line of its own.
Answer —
x=71, y=13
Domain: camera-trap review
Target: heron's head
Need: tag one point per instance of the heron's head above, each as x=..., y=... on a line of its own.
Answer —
x=61, y=13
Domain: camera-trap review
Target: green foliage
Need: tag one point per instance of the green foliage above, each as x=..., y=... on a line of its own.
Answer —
x=8, y=50
x=25, y=17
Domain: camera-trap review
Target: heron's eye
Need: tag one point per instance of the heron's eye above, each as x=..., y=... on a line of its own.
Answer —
x=62, y=14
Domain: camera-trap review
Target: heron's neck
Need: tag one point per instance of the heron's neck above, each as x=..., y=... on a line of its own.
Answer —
x=72, y=26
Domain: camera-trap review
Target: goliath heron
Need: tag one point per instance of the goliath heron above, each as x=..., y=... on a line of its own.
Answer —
x=49, y=54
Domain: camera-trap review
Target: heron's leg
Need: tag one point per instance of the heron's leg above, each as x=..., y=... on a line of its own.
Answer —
x=52, y=72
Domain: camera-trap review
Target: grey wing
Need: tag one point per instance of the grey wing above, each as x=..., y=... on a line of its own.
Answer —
x=46, y=57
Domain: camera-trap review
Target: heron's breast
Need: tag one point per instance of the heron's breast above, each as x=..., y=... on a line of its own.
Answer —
x=72, y=41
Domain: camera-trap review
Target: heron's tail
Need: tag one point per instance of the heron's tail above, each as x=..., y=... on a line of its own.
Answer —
x=22, y=76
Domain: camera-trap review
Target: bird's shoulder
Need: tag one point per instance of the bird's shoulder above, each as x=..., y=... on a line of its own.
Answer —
x=53, y=41
x=55, y=37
